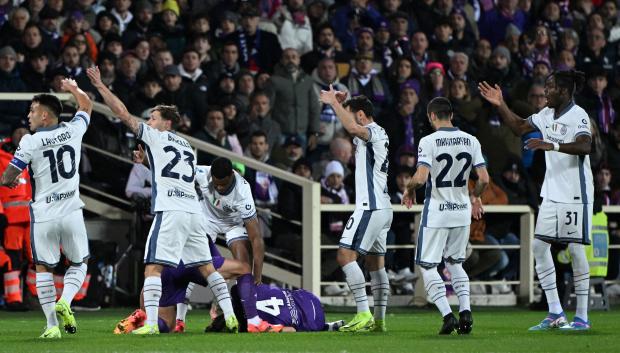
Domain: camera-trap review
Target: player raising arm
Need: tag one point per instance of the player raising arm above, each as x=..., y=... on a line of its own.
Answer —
x=53, y=153
x=366, y=230
x=178, y=231
x=568, y=190
x=445, y=160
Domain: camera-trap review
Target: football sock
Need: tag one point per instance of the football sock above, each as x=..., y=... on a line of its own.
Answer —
x=47, y=297
x=581, y=278
x=163, y=327
x=151, y=294
x=357, y=284
x=220, y=291
x=247, y=293
x=436, y=290
x=182, y=307
x=74, y=278
x=545, y=269
x=380, y=286
x=460, y=284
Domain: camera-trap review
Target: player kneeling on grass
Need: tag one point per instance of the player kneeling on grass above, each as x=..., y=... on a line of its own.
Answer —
x=445, y=159
x=295, y=310
x=175, y=282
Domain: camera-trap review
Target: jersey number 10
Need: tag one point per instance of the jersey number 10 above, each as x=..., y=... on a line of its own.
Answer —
x=57, y=165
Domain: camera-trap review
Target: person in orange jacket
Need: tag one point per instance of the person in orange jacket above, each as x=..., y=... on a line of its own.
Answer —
x=16, y=211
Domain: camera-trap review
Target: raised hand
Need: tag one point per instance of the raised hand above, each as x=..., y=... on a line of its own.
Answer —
x=407, y=200
x=138, y=156
x=68, y=85
x=94, y=75
x=490, y=93
x=341, y=96
x=329, y=97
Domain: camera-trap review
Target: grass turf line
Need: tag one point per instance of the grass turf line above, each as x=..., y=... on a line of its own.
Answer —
x=409, y=330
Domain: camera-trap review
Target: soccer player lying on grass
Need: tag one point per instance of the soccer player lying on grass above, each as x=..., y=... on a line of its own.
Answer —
x=175, y=283
x=295, y=310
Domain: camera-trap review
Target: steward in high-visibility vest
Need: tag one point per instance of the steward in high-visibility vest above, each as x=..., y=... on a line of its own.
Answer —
x=597, y=251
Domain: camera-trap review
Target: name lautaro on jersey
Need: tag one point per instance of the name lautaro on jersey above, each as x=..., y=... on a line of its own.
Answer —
x=60, y=138
x=452, y=141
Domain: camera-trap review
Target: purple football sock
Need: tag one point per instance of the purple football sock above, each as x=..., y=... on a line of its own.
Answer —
x=247, y=293
x=163, y=328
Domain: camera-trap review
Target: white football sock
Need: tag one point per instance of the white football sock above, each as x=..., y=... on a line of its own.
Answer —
x=380, y=286
x=220, y=291
x=460, y=284
x=151, y=293
x=74, y=278
x=581, y=278
x=357, y=284
x=182, y=307
x=436, y=290
x=47, y=297
x=545, y=269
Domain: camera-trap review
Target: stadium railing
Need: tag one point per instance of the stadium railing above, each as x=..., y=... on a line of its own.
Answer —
x=310, y=278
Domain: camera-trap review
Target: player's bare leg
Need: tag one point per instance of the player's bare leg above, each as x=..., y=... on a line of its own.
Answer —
x=151, y=293
x=47, y=298
x=218, y=286
x=380, y=287
x=363, y=320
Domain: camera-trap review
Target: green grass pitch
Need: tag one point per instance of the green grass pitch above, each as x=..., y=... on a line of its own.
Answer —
x=410, y=330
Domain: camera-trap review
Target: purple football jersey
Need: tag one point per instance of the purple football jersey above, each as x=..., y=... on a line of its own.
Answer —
x=298, y=308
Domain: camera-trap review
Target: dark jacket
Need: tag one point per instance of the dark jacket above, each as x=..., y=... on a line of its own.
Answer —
x=295, y=103
x=268, y=52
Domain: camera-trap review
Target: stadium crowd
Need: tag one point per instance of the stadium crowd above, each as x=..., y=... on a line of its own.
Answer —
x=246, y=76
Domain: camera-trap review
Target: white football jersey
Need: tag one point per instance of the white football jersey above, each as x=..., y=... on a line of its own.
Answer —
x=449, y=154
x=371, y=167
x=230, y=209
x=54, y=157
x=171, y=160
x=568, y=178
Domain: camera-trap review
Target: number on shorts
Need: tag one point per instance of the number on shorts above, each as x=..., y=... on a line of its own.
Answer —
x=569, y=217
x=460, y=180
x=270, y=306
x=167, y=170
x=57, y=165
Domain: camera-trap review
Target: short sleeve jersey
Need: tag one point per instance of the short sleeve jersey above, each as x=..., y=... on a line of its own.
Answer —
x=231, y=208
x=53, y=154
x=371, y=167
x=449, y=154
x=171, y=160
x=295, y=308
x=568, y=178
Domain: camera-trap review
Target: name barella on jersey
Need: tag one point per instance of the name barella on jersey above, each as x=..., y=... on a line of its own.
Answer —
x=231, y=208
x=450, y=155
x=54, y=157
x=371, y=167
x=171, y=159
x=568, y=178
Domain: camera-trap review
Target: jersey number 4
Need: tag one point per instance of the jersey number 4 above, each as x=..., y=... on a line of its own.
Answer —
x=57, y=165
x=270, y=306
x=167, y=171
x=460, y=178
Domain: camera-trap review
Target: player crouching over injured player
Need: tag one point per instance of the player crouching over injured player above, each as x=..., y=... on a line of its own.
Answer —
x=175, y=282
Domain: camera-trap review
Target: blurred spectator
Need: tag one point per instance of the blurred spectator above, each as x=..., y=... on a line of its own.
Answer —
x=259, y=50
x=295, y=103
x=613, y=153
x=113, y=44
x=340, y=149
x=145, y=98
x=263, y=184
x=75, y=24
x=126, y=84
x=435, y=78
x=516, y=184
x=12, y=30
x=325, y=47
x=191, y=72
x=493, y=22
x=259, y=118
x=140, y=25
x=325, y=74
x=463, y=35
x=596, y=101
x=603, y=185
x=294, y=29
x=167, y=23
x=35, y=71
x=227, y=64
x=419, y=52
x=480, y=60
x=333, y=190
x=365, y=80
x=105, y=24
x=139, y=182
x=245, y=88
x=49, y=25
x=161, y=59
x=347, y=18
x=288, y=199
x=120, y=10
x=289, y=153
x=10, y=81
x=596, y=52
x=212, y=131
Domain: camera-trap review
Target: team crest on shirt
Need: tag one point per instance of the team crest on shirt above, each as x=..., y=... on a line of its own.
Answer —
x=559, y=128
